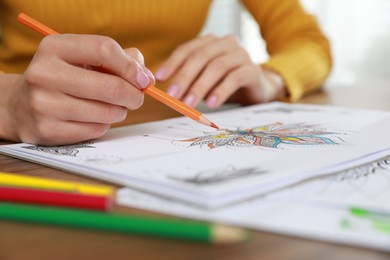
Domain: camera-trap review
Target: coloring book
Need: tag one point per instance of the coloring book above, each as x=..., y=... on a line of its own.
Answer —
x=257, y=149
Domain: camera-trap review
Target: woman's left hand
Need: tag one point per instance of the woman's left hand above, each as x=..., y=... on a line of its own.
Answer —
x=217, y=69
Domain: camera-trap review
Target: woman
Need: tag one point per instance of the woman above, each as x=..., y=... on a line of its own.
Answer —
x=72, y=87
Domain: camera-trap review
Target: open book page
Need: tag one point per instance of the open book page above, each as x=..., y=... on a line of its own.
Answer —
x=258, y=149
x=317, y=208
x=367, y=186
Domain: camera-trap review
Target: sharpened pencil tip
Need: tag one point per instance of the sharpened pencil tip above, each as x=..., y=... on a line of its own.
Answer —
x=214, y=125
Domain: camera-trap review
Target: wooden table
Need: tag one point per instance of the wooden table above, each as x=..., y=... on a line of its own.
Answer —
x=30, y=241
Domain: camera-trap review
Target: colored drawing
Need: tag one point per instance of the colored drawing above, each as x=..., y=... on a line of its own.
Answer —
x=271, y=135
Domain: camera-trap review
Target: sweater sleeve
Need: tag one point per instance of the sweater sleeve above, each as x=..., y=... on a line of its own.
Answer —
x=298, y=49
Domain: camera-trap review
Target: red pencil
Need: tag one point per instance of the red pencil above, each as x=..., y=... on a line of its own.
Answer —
x=54, y=198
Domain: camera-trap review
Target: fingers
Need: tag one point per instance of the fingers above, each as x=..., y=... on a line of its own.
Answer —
x=190, y=60
x=97, y=51
x=244, y=79
x=136, y=54
x=180, y=55
x=53, y=132
x=213, y=74
x=200, y=68
x=47, y=105
x=85, y=84
x=58, y=119
x=75, y=87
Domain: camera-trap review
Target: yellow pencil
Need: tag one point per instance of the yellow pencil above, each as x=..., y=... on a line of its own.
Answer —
x=14, y=180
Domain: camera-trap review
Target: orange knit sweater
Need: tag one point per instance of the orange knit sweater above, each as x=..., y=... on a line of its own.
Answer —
x=298, y=50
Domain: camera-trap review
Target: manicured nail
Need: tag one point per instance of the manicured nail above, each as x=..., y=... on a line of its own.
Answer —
x=160, y=74
x=150, y=74
x=211, y=102
x=173, y=90
x=189, y=100
x=142, y=79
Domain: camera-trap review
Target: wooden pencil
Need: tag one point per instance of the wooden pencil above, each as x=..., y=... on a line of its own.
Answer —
x=150, y=226
x=56, y=198
x=150, y=90
x=22, y=181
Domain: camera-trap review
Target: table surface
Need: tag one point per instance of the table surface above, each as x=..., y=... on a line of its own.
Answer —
x=32, y=241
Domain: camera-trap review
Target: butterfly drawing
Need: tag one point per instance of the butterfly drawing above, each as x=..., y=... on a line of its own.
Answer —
x=271, y=136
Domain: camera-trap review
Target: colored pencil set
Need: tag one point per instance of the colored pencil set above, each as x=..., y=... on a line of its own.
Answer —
x=33, y=190
x=70, y=204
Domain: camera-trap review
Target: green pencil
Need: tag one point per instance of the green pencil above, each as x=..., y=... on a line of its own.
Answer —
x=363, y=213
x=380, y=221
x=188, y=230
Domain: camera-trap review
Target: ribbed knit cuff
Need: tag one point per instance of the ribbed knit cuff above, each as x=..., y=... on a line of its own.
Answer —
x=302, y=67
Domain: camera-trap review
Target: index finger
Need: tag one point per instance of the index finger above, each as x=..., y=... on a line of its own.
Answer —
x=97, y=51
x=179, y=56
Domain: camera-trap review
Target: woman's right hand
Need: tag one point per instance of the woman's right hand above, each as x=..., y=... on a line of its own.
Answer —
x=75, y=87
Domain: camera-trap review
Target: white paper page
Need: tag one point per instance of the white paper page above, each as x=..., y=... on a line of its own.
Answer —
x=299, y=210
x=265, y=147
x=367, y=186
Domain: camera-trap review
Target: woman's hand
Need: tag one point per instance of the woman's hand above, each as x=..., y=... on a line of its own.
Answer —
x=75, y=87
x=218, y=69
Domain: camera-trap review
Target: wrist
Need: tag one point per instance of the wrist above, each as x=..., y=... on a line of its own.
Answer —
x=279, y=90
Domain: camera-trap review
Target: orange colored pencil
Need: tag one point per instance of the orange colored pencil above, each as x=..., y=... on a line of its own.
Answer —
x=150, y=90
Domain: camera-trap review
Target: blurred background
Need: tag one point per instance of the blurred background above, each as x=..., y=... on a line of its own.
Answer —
x=359, y=32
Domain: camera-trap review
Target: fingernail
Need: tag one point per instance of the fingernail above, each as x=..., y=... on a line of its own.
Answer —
x=142, y=79
x=173, y=90
x=211, y=102
x=189, y=100
x=150, y=74
x=160, y=74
